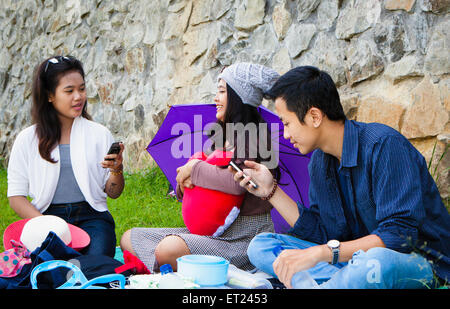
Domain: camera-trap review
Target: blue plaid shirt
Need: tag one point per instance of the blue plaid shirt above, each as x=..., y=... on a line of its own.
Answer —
x=381, y=186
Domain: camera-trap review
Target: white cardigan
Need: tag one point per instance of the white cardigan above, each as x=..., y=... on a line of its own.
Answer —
x=30, y=175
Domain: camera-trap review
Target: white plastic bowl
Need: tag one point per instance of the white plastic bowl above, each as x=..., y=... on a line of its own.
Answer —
x=206, y=270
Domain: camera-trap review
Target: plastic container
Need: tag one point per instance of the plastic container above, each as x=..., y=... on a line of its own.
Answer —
x=205, y=270
x=240, y=279
x=301, y=279
x=169, y=280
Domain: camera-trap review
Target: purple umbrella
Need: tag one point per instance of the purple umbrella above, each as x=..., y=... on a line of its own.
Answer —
x=184, y=132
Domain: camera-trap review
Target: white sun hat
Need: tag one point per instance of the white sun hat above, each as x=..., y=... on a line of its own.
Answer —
x=36, y=230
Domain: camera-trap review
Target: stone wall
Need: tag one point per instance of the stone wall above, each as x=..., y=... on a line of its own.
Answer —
x=390, y=59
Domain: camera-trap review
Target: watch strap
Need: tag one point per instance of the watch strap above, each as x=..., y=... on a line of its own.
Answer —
x=335, y=252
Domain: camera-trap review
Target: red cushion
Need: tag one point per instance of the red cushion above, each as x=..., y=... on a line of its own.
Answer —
x=205, y=210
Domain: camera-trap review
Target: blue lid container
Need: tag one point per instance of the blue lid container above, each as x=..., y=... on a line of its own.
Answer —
x=206, y=270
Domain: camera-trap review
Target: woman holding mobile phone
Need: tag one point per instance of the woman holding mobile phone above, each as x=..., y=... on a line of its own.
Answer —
x=61, y=160
x=239, y=93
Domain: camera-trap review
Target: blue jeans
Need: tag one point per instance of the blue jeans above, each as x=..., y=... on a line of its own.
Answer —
x=378, y=268
x=99, y=225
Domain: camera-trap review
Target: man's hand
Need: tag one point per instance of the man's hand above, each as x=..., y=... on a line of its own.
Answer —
x=291, y=261
x=258, y=173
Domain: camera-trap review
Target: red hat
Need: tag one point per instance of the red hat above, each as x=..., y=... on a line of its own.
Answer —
x=78, y=238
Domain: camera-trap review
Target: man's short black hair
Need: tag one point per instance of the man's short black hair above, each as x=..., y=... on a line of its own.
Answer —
x=305, y=87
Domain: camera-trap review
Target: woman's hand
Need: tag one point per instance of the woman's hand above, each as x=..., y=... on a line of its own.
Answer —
x=115, y=165
x=184, y=173
x=259, y=174
x=115, y=184
x=186, y=184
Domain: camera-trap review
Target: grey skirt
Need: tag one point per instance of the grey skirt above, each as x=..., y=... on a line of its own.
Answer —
x=231, y=245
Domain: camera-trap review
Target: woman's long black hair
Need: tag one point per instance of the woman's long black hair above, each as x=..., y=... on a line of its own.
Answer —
x=45, y=80
x=239, y=113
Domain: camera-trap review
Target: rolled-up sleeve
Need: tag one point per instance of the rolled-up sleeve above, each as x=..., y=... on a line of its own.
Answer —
x=396, y=181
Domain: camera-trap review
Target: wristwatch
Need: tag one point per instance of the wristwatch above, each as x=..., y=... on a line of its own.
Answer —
x=334, y=247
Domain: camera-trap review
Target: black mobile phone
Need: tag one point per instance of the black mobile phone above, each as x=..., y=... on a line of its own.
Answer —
x=237, y=169
x=114, y=149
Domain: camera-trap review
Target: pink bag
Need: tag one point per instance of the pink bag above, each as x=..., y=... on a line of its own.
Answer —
x=13, y=260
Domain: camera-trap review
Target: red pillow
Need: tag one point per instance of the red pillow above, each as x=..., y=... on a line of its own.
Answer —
x=206, y=211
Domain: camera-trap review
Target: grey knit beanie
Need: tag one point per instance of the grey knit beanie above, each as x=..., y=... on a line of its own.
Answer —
x=249, y=80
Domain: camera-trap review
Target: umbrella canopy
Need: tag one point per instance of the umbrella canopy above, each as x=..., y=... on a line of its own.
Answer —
x=184, y=132
x=181, y=135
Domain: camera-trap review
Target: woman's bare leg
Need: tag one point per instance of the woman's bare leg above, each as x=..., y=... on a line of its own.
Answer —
x=169, y=249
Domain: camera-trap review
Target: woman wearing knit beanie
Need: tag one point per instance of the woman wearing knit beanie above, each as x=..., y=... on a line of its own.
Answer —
x=240, y=91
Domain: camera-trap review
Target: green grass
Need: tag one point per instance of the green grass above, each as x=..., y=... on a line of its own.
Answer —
x=143, y=203
x=7, y=215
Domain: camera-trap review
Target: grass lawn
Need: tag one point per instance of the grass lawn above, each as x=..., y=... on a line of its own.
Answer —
x=7, y=215
x=143, y=203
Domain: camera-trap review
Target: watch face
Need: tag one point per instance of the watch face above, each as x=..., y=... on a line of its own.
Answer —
x=333, y=243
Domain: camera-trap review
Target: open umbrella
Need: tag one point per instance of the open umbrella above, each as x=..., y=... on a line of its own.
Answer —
x=184, y=132
x=181, y=135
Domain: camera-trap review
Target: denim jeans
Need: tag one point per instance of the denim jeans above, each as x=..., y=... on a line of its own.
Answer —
x=99, y=225
x=378, y=268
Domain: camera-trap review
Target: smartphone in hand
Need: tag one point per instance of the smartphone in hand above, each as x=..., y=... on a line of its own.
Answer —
x=114, y=149
x=237, y=169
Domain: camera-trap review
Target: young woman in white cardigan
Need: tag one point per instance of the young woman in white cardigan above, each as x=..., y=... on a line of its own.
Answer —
x=61, y=161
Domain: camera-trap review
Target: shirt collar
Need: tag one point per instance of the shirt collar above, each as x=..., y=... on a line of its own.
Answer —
x=350, y=145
